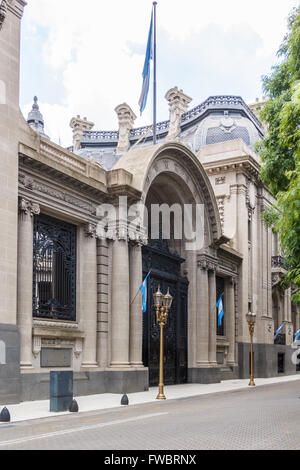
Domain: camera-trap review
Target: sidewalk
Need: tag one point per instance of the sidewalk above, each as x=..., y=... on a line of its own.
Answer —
x=40, y=409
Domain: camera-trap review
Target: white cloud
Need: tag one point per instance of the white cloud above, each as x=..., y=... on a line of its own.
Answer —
x=88, y=49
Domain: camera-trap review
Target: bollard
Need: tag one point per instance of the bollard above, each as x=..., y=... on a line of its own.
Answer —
x=125, y=400
x=4, y=415
x=74, y=407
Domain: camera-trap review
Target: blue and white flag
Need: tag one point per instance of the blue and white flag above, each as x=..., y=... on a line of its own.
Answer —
x=297, y=335
x=143, y=290
x=146, y=70
x=220, y=310
x=278, y=331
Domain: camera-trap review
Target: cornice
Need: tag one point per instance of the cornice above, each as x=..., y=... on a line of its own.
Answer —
x=245, y=164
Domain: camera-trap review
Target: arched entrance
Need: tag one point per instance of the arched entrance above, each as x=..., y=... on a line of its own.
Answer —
x=171, y=174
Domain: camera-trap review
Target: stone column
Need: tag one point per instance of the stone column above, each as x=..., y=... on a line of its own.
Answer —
x=120, y=304
x=89, y=295
x=136, y=307
x=202, y=318
x=230, y=319
x=212, y=356
x=27, y=210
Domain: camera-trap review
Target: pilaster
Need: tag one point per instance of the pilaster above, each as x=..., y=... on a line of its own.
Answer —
x=27, y=209
x=88, y=288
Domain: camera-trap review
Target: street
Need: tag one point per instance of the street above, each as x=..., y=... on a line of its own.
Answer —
x=264, y=418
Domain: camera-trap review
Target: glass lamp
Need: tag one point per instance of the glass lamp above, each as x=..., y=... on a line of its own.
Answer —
x=158, y=298
x=167, y=300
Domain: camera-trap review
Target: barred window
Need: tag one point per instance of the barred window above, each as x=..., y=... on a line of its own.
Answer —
x=54, y=269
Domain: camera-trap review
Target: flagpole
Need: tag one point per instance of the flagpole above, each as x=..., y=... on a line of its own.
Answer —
x=139, y=289
x=154, y=75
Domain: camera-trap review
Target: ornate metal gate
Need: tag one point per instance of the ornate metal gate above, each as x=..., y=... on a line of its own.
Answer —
x=166, y=273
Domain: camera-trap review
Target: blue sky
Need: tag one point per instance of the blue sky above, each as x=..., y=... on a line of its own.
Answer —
x=87, y=57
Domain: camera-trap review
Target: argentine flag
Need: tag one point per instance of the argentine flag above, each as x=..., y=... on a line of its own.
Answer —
x=143, y=290
x=278, y=331
x=297, y=335
x=146, y=70
x=220, y=310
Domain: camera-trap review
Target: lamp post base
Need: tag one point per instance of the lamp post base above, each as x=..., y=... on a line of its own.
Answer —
x=251, y=383
x=160, y=396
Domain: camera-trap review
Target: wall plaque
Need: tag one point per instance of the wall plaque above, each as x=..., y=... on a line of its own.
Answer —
x=2, y=353
x=55, y=357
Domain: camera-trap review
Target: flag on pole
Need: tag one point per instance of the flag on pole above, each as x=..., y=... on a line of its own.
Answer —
x=146, y=70
x=220, y=310
x=297, y=335
x=143, y=290
x=278, y=331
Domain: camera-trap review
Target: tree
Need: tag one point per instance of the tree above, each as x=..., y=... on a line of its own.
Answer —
x=280, y=150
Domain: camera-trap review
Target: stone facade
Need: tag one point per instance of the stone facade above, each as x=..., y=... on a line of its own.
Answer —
x=103, y=339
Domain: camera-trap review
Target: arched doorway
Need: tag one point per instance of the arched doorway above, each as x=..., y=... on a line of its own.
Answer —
x=166, y=273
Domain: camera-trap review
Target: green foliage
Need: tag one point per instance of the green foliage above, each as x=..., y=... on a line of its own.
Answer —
x=280, y=150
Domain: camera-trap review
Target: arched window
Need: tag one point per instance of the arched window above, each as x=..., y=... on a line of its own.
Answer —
x=54, y=269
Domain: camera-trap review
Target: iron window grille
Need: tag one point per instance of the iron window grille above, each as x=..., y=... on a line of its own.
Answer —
x=54, y=269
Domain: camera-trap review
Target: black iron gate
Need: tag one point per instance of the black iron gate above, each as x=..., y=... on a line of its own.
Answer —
x=166, y=273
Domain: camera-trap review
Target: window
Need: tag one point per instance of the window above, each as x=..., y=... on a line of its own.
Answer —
x=54, y=269
x=220, y=288
x=280, y=363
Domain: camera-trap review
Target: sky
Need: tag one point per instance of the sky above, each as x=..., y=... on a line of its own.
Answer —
x=86, y=57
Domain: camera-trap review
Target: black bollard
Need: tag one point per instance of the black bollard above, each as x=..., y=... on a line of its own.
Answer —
x=5, y=416
x=125, y=400
x=74, y=407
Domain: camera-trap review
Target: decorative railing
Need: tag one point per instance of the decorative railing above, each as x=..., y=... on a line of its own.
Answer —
x=278, y=262
x=94, y=136
x=163, y=126
x=223, y=101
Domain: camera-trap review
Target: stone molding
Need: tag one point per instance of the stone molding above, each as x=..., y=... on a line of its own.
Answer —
x=28, y=207
x=244, y=164
x=207, y=263
x=185, y=170
x=29, y=183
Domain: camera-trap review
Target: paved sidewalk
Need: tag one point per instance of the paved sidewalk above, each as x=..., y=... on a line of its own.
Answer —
x=40, y=409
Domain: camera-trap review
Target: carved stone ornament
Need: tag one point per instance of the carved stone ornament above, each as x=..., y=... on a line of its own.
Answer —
x=3, y=10
x=29, y=207
x=37, y=346
x=90, y=230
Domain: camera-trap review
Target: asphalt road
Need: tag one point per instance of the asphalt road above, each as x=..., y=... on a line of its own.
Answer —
x=262, y=418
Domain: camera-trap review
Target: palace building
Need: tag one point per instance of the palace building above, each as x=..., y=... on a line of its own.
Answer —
x=70, y=296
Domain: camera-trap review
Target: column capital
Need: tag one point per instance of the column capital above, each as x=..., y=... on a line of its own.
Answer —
x=27, y=207
x=207, y=263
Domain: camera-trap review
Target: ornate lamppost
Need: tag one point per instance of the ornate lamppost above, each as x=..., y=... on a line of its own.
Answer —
x=251, y=318
x=162, y=304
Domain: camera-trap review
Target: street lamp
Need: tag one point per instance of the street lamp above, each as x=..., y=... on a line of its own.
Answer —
x=251, y=318
x=162, y=304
